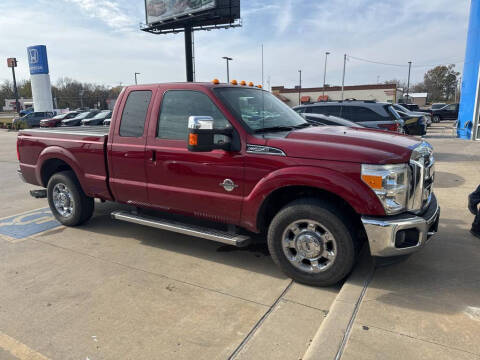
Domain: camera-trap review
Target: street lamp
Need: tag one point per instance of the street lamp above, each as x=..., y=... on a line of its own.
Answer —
x=325, y=74
x=228, y=68
x=137, y=73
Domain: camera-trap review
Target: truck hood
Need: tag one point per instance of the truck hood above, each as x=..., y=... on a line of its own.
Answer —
x=339, y=143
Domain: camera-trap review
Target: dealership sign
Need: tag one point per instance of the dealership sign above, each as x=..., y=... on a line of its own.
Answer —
x=163, y=10
x=37, y=59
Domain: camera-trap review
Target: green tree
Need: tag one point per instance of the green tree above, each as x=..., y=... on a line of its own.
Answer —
x=440, y=82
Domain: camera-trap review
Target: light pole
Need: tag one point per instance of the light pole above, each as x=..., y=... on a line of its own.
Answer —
x=136, y=83
x=343, y=76
x=300, y=88
x=325, y=74
x=12, y=62
x=81, y=92
x=228, y=67
x=408, y=82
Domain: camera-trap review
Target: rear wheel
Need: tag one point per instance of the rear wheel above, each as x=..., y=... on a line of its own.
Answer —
x=67, y=201
x=309, y=240
x=436, y=119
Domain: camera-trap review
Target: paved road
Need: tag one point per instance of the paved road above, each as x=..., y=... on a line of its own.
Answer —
x=110, y=290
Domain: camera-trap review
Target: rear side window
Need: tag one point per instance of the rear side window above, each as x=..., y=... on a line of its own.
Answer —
x=178, y=106
x=361, y=114
x=333, y=110
x=135, y=113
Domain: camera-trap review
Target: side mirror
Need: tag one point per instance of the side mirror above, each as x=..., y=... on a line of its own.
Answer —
x=202, y=137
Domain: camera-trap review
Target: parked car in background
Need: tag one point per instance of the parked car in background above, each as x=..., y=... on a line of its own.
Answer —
x=447, y=112
x=369, y=114
x=416, y=123
x=411, y=107
x=97, y=119
x=25, y=112
x=329, y=120
x=106, y=122
x=76, y=121
x=56, y=120
x=437, y=106
x=32, y=119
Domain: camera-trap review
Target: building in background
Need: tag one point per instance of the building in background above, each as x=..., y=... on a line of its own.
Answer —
x=25, y=104
x=417, y=98
x=378, y=92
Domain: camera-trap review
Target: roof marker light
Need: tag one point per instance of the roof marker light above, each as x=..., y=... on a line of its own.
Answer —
x=243, y=83
x=251, y=84
x=234, y=82
x=259, y=86
x=216, y=81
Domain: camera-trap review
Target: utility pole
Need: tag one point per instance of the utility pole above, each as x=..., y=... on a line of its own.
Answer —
x=408, y=82
x=137, y=73
x=228, y=59
x=12, y=62
x=343, y=76
x=81, y=98
x=262, y=68
x=300, y=89
x=325, y=74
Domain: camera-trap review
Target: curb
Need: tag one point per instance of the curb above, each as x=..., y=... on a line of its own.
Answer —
x=332, y=335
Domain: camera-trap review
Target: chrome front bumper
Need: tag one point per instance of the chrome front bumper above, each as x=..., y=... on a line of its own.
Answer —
x=401, y=234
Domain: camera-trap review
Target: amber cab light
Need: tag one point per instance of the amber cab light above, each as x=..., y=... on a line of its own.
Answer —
x=243, y=83
x=251, y=84
x=216, y=81
x=234, y=82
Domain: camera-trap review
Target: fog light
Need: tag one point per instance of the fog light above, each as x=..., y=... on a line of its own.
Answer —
x=407, y=238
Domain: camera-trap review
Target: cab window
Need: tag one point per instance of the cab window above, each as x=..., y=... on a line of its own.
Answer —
x=178, y=106
x=134, y=113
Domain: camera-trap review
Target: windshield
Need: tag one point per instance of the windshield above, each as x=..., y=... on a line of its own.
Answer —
x=259, y=110
x=82, y=115
x=401, y=108
x=102, y=115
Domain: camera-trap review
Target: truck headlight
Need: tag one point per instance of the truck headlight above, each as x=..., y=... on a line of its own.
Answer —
x=390, y=184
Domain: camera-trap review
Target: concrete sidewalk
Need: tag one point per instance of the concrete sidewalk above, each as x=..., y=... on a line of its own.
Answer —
x=427, y=306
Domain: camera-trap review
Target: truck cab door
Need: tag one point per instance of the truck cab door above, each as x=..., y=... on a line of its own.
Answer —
x=203, y=184
x=126, y=153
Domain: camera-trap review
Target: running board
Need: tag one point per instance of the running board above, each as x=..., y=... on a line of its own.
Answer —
x=183, y=228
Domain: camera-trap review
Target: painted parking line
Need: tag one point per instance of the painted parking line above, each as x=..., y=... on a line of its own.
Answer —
x=21, y=226
x=19, y=350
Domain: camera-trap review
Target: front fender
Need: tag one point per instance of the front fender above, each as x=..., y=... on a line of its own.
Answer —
x=346, y=185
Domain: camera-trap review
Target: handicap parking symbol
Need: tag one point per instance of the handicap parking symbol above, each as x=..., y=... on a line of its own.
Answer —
x=27, y=224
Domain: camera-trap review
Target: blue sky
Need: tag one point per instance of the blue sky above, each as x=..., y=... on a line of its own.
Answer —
x=100, y=41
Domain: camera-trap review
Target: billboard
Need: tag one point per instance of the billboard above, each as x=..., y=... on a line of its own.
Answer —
x=164, y=10
x=37, y=59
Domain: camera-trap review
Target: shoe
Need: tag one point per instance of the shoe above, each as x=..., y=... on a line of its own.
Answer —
x=475, y=233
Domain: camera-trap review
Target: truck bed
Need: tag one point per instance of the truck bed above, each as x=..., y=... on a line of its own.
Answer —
x=83, y=149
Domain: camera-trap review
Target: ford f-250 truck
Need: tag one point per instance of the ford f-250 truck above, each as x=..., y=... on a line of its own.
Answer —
x=239, y=162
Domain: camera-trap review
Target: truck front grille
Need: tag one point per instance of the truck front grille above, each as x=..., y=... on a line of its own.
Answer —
x=421, y=181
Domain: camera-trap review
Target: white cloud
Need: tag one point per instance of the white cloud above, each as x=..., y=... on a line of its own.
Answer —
x=285, y=17
x=105, y=10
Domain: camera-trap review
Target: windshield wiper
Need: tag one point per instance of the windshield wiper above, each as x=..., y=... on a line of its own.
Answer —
x=275, y=128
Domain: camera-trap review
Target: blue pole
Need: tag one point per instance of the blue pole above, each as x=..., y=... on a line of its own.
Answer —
x=470, y=80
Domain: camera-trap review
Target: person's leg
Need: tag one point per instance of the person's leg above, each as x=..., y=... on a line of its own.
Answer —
x=476, y=225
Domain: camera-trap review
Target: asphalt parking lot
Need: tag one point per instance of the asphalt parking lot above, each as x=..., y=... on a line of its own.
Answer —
x=111, y=290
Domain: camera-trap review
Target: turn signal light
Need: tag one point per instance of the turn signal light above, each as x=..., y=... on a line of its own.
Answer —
x=234, y=82
x=216, y=81
x=193, y=139
x=243, y=83
x=375, y=182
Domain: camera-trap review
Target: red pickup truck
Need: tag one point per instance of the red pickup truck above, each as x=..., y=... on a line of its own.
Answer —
x=225, y=162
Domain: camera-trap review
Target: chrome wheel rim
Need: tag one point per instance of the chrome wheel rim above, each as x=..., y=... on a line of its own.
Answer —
x=63, y=200
x=309, y=246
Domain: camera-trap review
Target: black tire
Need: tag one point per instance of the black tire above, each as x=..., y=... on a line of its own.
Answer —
x=82, y=205
x=436, y=119
x=331, y=218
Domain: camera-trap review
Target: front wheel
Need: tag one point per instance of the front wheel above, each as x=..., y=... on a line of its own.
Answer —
x=67, y=201
x=309, y=240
